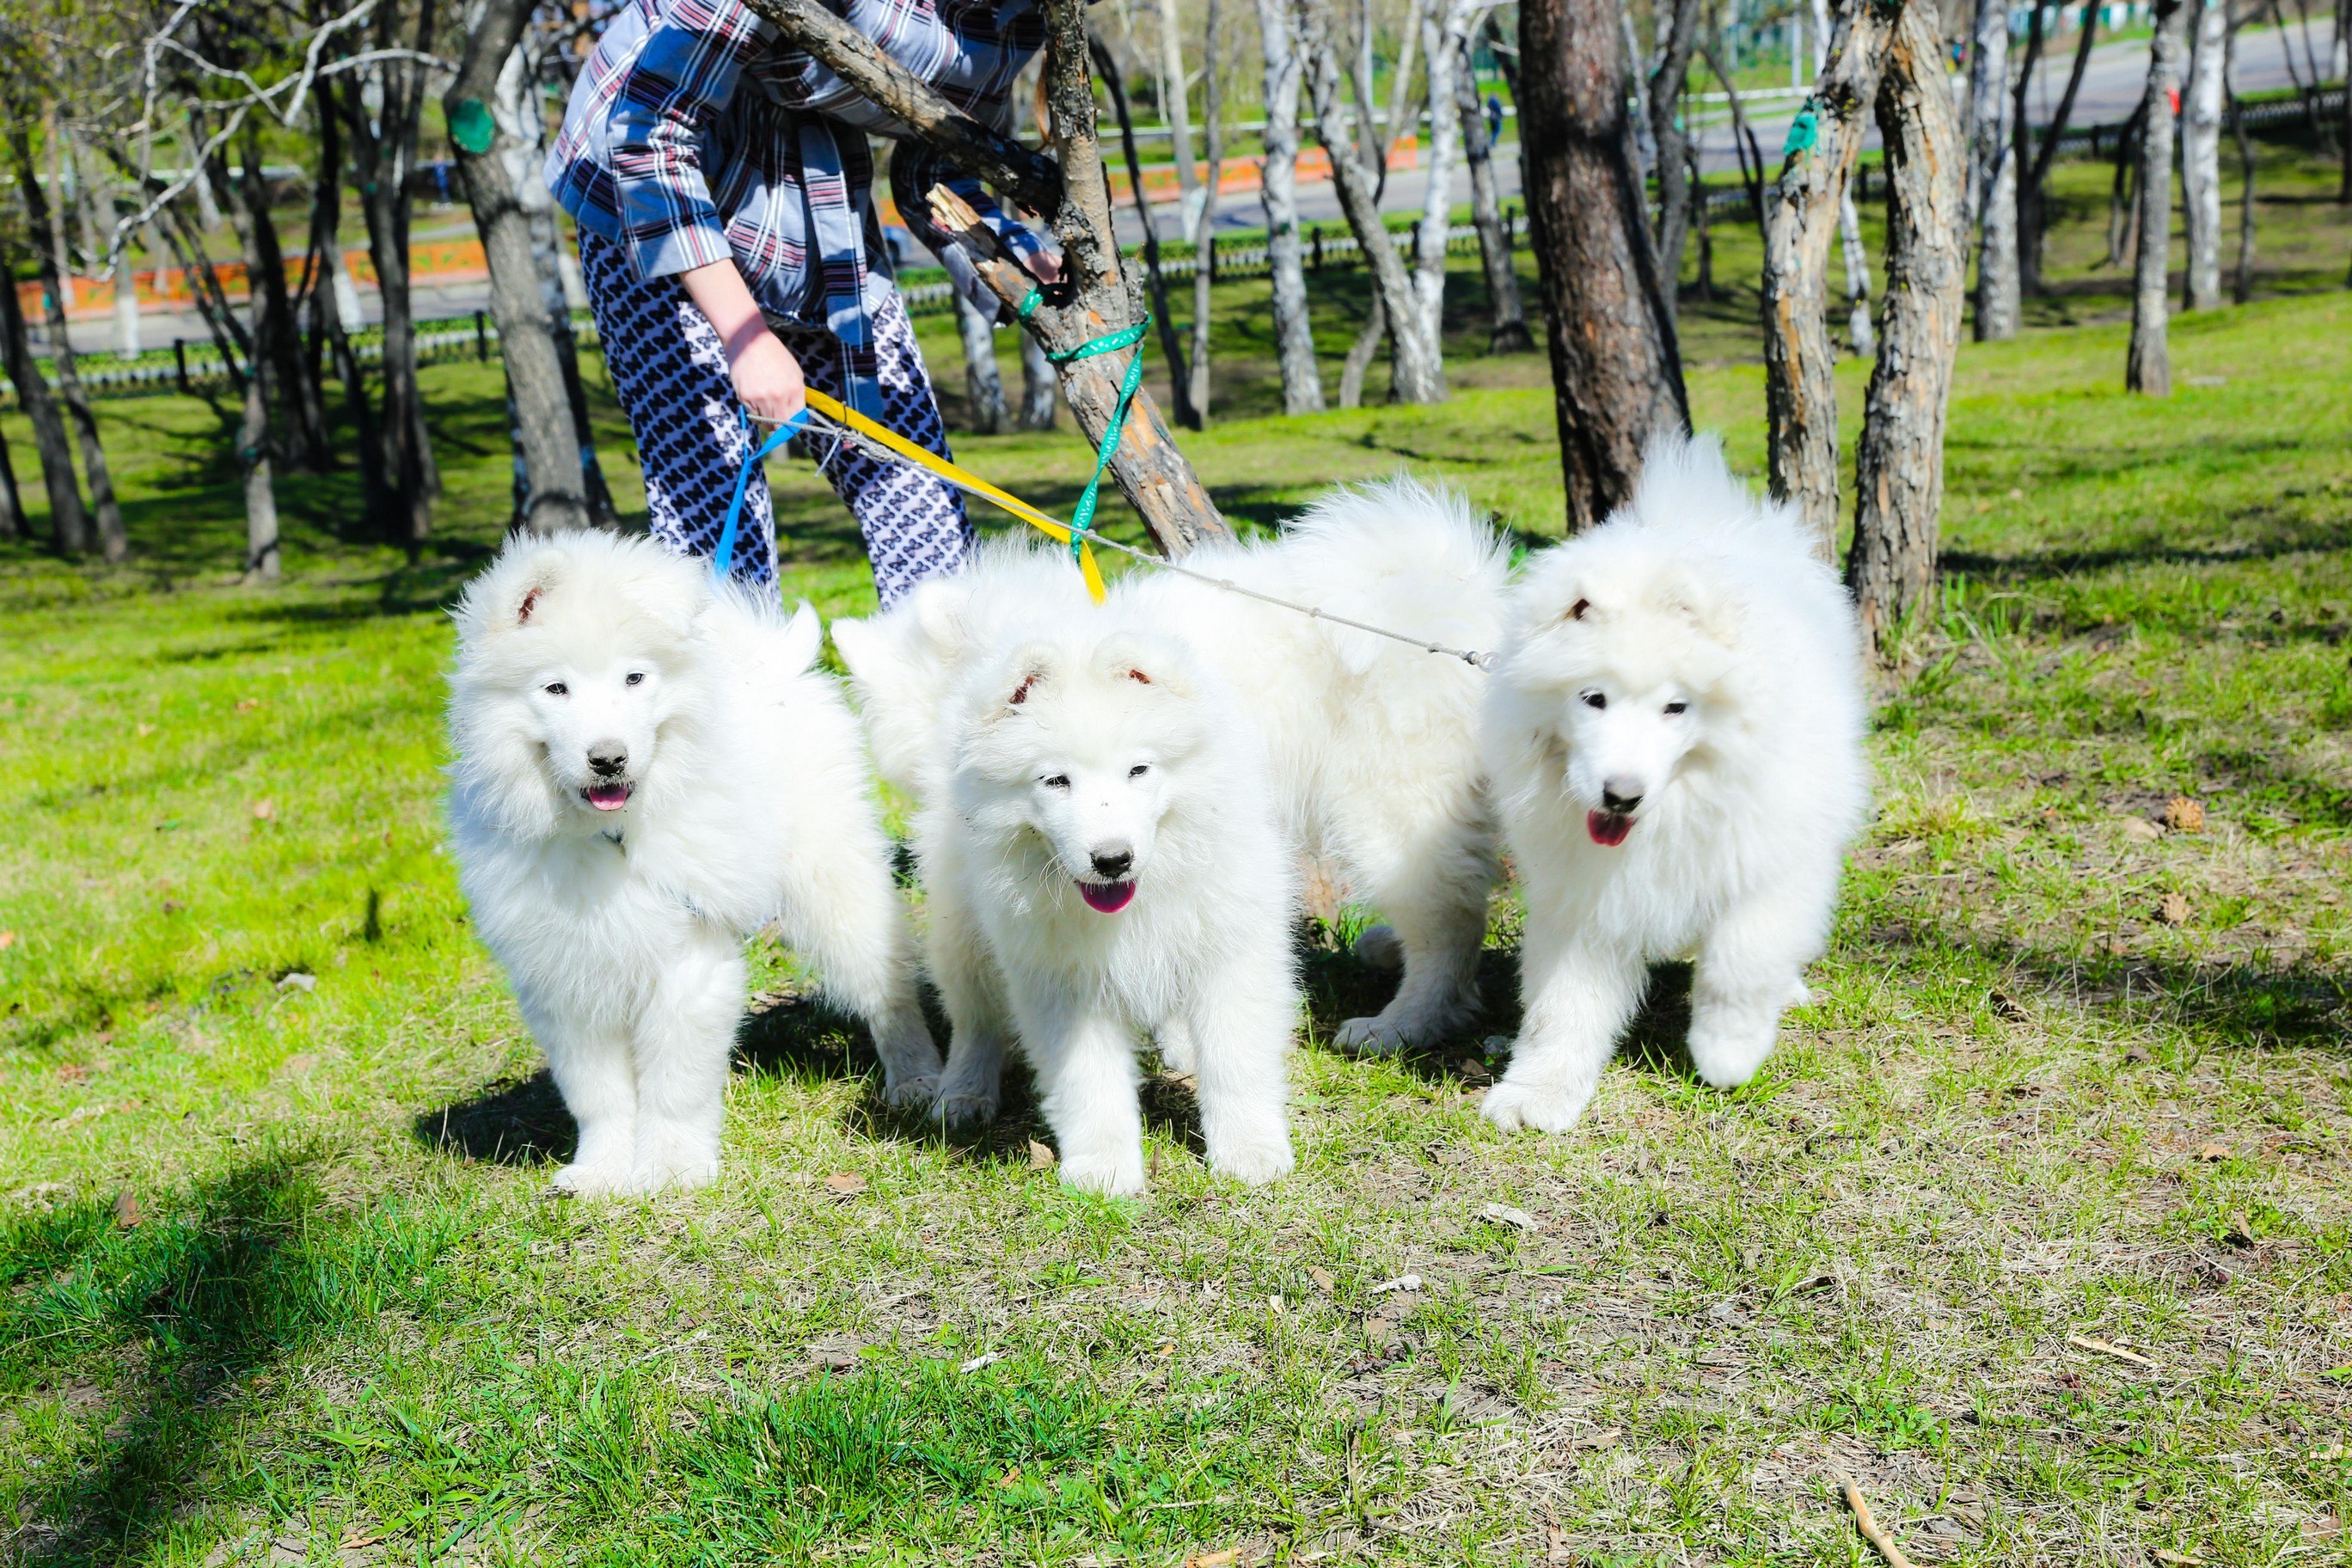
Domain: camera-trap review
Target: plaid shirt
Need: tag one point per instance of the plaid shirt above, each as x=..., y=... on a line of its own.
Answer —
x=663, y=154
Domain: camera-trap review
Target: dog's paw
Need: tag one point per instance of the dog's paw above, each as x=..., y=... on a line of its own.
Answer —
x=1256, y=1161
x=964, y=1108
x=1726, y=1062
x=1800, y=994
x=910, y=1093
x=1379, y=1037
x=578, y=1180
x=1116, y=1178
x=1516, y=1106
x=671, y=1176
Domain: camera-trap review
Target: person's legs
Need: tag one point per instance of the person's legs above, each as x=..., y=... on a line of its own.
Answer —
x=671, y=376
x=914, y=524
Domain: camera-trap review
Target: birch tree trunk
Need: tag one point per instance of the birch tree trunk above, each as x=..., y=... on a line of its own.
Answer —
x=1205, y=222
x=546, y=441
x=1038, y=385
x=1860, y=336
x=1444, y=33
x=522, y=147
x=286, y=380
x=1800, y=392
x=1419, y=370
x=2201, y=150
x=1180, y=385
x=2147, y=369
x=68, y=521
x=261, y=553
x=1992, y=184
x=984, y=384
x=1616, y=370
x=2032, y=206
x=1177, y=109
x=1293, y=336
x=113, y=543
x=1509, y=334
x=1899, y=467
x=1666, y=89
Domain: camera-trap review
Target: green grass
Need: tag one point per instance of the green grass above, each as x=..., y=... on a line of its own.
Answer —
x=277, y=1282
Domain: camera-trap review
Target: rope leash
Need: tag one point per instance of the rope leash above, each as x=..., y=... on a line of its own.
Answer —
x=853, y=428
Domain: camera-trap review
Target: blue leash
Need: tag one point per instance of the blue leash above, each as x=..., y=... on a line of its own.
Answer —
x=722, y=560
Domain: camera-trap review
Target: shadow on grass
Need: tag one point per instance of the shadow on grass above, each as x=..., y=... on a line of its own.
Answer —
x=190, y=1305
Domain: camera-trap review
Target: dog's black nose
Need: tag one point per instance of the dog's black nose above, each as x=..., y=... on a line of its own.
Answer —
x=608, y=757
x=1114, y=864
x=1620, y=794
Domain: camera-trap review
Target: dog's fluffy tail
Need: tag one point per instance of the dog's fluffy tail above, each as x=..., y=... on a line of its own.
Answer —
x=759, y=640
x=1401, y=554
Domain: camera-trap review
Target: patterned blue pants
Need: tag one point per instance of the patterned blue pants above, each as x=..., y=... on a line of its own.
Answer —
x=672, y=378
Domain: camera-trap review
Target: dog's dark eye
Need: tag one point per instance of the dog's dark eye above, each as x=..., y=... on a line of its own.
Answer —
x=1596, y=698
x=1677, y=705
x=636, y=678
x=1060, y=780
x=557, y=689
x=1137, y=770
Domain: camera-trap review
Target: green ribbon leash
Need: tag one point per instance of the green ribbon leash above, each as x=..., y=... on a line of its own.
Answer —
x=1804, y=130
x=1082, y=519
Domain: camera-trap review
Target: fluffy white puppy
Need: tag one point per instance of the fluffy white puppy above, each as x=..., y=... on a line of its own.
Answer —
x=1674, y=735
x=647, y=771
x=1103, y=863
x=1373, y=744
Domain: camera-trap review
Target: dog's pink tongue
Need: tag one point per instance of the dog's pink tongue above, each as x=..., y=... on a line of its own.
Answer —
x=608, y=797
x=1608, y=827
x=1107, y=897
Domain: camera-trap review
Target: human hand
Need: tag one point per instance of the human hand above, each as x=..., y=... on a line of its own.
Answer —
x=1044, y=265
x=768, y=378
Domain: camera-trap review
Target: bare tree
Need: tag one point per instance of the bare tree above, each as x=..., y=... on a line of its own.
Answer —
x=1417, y=363
x=1899, y=463
x=1860, y=336
x=1668, y=83
x=1293, y=336
x=1445, y=33
x=69, y=520
x=1038, y=386
x=13, y=523
x=1800, y=389
x=1176, y=107
x=1616, y=370
x=2201, y=150
x=2242, y=288
x=984, y=383
x=1992, y=183
x=1509, y=333
x=1171, y=348
x=2149, y=367
x=1204, y=220
x=2032, y=179
x=113, y=541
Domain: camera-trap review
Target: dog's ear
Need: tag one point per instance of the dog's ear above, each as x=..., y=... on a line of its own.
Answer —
x=1024, y=675
x=1689, y=596
x=513, y=594
x=1145, y=660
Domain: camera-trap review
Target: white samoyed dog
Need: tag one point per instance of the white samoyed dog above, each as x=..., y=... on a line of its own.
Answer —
x=647, y=771
x=1373, y=744
x=1675, y=737
x=1103, y=862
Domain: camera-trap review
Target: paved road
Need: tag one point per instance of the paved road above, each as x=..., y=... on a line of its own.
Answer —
x=2111, y=89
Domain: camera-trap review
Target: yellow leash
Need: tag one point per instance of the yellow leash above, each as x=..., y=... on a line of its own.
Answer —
x=963, y=480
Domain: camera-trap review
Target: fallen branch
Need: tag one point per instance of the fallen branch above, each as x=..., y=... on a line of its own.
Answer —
x=1878, y=1538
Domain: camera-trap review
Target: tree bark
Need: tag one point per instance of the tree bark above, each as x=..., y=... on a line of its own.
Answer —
x=2147, y=368
x=1171, y=347
x=1175, y=109
x=113, y=541
x=261, y=553
x=342, y=319
x=984, y=383
x=548, y=441
x=1899, y=467
x=1361, y=353
x=1992, y=186
x=2200, y=152
x=1204, y=221
x=2033, y=180
x=69, y=520
x=1293, y=336
x=1509, y=334
x=1616, y=369
x=1799, y=391
x=1668, y=83
x=1444, y=32
x=1419, y=368
x=1743, y=140
x=2242, y=290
